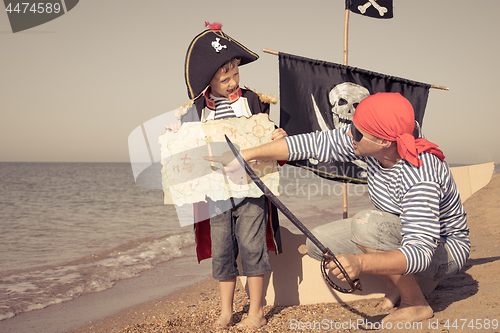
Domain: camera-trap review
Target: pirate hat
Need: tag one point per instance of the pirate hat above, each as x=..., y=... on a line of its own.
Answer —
x=207, y=53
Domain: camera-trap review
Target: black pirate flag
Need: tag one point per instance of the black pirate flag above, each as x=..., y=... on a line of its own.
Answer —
x=381, y=9
x=319, y=96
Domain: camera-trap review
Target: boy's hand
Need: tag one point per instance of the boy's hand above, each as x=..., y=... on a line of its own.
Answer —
x=173, y=127
x=278, y=133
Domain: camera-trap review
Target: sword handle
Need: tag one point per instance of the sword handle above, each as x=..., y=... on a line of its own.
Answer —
x=354, y=284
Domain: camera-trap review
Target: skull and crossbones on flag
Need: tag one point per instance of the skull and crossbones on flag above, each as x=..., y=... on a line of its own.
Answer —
x=321, y=96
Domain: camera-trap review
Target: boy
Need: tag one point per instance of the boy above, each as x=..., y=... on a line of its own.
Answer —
x=212, y=60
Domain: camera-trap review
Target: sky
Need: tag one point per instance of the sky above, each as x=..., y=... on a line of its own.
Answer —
x=73, y=89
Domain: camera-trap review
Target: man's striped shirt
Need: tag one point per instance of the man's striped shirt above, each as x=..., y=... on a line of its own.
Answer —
x=426, y=198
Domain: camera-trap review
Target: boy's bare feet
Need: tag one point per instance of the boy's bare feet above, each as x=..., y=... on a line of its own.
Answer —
x=224, y=320
x=252, y=323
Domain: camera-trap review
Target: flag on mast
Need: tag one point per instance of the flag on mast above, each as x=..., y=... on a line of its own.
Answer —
x=381, y=9
x=317, y=95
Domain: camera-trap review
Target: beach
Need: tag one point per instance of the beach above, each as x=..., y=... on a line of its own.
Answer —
x=81, y=242
x=178, y=295
x=467, y=302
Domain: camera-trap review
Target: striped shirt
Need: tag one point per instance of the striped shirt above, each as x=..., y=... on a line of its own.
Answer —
x=425, y=198
x=223, y=108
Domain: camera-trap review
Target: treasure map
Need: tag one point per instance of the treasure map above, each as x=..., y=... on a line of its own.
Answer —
x=187, y=177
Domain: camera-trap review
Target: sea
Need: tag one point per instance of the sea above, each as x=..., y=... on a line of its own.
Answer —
x=67, y=229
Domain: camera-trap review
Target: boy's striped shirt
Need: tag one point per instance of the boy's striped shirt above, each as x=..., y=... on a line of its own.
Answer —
x=223, y=109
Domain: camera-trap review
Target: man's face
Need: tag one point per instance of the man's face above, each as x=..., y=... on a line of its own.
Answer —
x=369, y=145
x=224, y=84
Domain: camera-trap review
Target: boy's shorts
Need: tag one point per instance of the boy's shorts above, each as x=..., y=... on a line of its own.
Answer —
x=240, y=229
x=377, y=230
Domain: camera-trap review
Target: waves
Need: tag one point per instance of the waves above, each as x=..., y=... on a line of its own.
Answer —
x=36, y=288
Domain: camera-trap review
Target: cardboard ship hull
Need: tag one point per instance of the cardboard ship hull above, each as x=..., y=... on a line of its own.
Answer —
x=296, y=278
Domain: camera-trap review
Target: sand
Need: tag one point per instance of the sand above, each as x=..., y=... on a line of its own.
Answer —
x=467, y=302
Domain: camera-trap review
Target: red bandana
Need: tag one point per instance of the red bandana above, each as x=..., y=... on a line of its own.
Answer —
x=390, y=116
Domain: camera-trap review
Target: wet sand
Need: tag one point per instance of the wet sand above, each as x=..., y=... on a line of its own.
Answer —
x=164, y=280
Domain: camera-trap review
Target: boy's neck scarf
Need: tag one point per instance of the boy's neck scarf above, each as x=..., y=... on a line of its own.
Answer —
x=390, y=116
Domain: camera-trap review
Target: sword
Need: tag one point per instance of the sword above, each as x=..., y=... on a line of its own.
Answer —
x=327, y=254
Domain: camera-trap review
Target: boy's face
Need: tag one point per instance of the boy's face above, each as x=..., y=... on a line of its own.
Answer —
x=224, y=84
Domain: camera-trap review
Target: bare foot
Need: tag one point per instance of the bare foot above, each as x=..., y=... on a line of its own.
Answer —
x=409, y=313
x=392, y=296
x=252, y=323
x=224, y=320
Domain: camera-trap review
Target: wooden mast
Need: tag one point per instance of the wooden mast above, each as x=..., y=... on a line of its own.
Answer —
x=344, y=183
x=346, y=52
x=276, y=53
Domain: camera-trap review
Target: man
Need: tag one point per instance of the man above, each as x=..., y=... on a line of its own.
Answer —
x=419, y=228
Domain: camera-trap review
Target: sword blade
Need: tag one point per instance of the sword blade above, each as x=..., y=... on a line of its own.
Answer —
x=267, y=192
x=277, y=202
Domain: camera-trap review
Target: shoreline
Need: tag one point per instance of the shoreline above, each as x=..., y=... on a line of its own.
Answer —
x=162, y=281
x=189, y=302
x=468, y=298
x=321, y=206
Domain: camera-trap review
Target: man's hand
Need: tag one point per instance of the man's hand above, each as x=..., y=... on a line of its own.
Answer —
x=227, y=159
x=232, y=168
x=351, y=264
